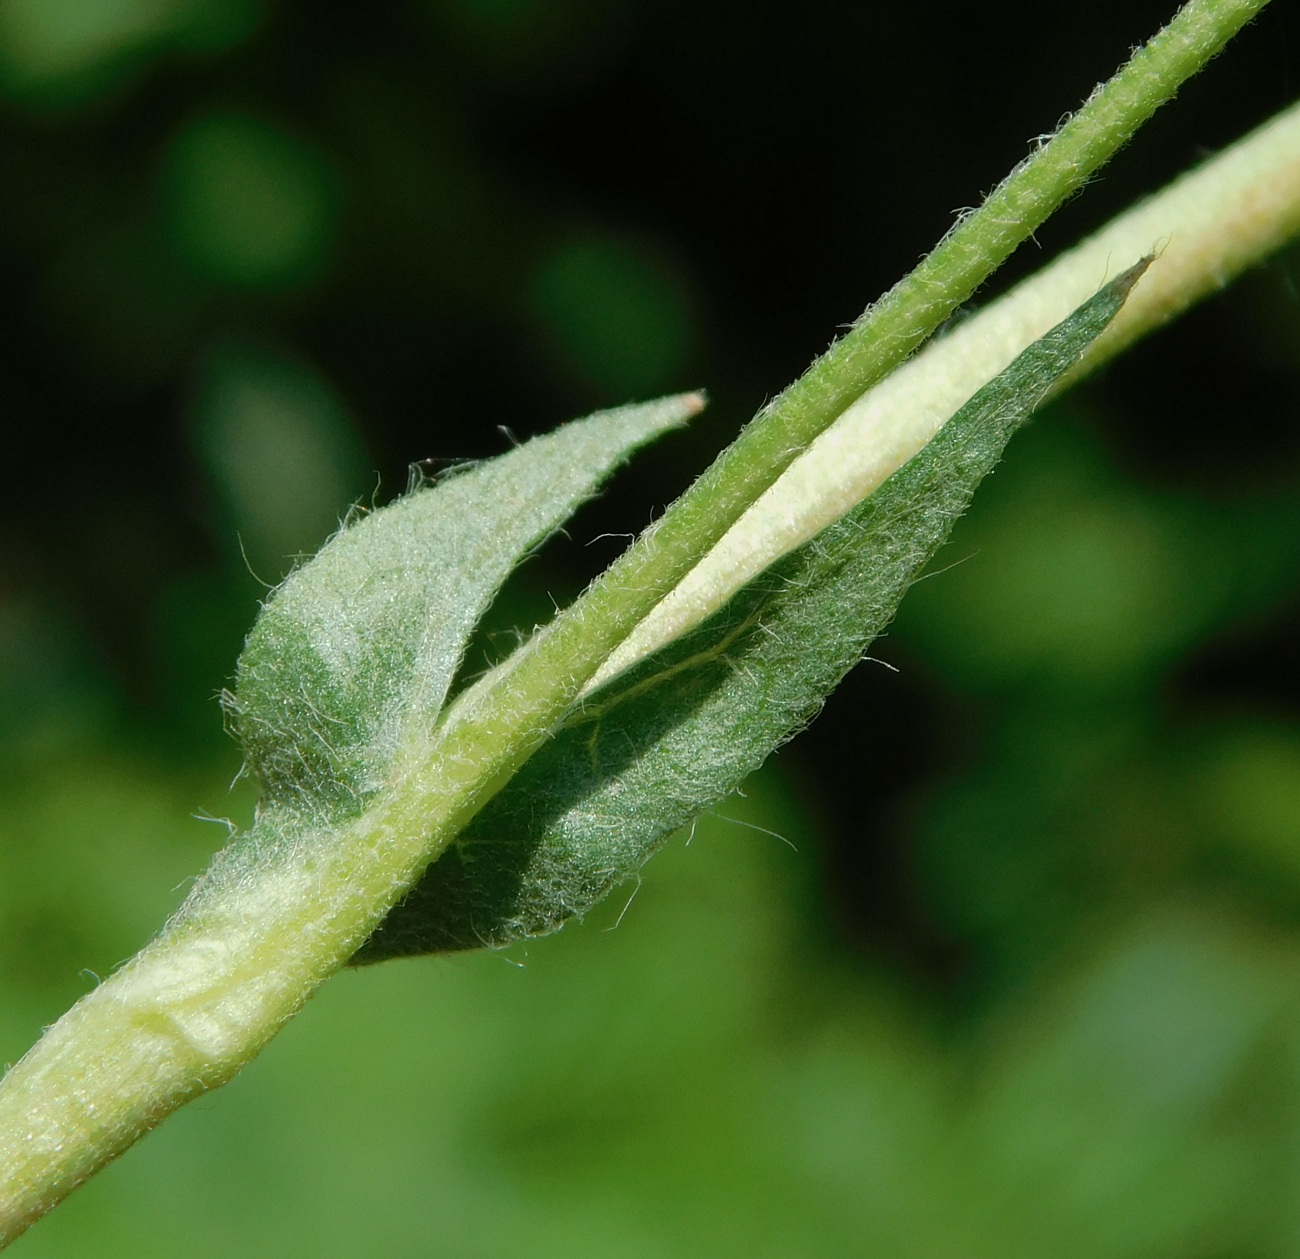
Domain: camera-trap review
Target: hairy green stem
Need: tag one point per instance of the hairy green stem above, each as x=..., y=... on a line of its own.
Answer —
x=201, y=1000
x=1203, y=229
x=541, y=688
x=526, y=702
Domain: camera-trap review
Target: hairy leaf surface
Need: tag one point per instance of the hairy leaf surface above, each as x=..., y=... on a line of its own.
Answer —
x=358, y=646
x=653, y=747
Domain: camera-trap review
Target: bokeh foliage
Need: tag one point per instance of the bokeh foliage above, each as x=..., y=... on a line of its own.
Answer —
x=1028, y=981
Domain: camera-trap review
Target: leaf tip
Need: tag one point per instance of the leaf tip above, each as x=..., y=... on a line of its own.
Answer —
x=1127, y=280
x=662, y=414
x=691, y=404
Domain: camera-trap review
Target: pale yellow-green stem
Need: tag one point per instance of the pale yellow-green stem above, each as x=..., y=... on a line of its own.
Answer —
x=201, y=1000
x=1205, y=228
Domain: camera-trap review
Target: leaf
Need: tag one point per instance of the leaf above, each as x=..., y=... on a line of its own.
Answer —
x=357, y=648
x=643, y=755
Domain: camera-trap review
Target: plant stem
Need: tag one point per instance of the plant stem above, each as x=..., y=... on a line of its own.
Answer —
x=1205, y=228
x=537, y=693
x=215, y=986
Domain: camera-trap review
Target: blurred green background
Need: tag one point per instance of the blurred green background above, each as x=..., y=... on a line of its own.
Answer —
x=1025, y=977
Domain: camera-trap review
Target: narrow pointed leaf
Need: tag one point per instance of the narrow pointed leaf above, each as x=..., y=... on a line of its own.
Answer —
x=357, y=648
x=651, y=749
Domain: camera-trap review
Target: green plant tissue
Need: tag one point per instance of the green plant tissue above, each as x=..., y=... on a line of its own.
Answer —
x=642, y=756
x=355, y=650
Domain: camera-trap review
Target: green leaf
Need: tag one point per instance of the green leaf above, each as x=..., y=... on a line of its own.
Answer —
x=355, y=651
x=643, y=755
